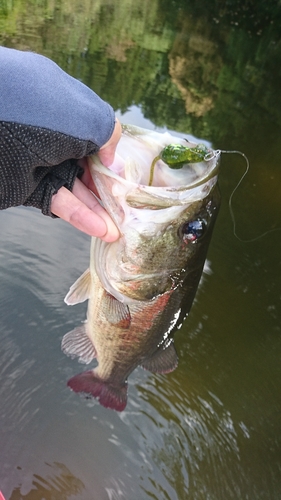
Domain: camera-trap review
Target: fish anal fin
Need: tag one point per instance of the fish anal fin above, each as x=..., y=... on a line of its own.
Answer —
x=80, y=290
x=117, y=313
x=77, y=344
x=163, y=361
x=109, y=395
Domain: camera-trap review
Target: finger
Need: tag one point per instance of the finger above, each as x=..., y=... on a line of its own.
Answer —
x=87, y=215
x=82, y=193
x=86, y=177
x=107, y=151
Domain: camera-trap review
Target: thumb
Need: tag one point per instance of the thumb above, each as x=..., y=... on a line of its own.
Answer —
x=107, y=151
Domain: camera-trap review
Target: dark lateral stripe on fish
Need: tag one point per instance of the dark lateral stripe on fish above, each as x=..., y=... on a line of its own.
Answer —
x=109, y=396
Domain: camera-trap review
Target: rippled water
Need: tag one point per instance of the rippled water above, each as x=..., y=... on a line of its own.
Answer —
x=211, y=430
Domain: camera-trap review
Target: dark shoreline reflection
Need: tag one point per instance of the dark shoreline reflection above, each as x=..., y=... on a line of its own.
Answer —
x=208, y=69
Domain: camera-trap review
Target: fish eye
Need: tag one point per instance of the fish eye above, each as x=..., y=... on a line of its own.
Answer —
x=193, y=230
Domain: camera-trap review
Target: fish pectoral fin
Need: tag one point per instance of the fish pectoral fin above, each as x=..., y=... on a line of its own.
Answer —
x=117, y=313
x=76, y=344
x=109, y=395
x=163, y=361
x=80, y=290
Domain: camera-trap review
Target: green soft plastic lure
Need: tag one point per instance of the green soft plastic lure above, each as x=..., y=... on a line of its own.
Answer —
x=176, y=156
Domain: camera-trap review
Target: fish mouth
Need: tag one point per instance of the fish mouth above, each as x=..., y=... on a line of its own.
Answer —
x=143, y=147
x=138, y=148
x=125, y=184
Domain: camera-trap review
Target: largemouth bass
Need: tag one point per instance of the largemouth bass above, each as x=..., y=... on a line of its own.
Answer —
x=141, y=286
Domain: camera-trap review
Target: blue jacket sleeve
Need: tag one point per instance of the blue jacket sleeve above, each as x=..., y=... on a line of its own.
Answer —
x=48, y=120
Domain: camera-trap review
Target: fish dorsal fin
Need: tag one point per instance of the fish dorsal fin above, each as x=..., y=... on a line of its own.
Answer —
x=77, y=344
x=80, y=290
x=116, y=312
x=163, y=361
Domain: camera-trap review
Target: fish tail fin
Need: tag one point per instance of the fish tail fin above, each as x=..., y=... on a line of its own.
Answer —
x=109, y=395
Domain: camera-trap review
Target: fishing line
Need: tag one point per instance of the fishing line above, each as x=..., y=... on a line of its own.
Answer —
x=215, y=153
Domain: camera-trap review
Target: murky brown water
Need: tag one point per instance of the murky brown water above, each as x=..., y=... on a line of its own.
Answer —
x=211, y=430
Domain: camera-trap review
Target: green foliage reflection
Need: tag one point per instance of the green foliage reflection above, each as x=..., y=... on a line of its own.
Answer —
x=212, y=69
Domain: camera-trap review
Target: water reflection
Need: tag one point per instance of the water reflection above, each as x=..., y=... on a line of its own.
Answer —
x=58, y=484
x=193, y=438
x=189, y=68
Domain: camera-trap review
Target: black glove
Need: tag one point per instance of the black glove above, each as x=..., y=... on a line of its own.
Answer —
x=34, y=164
x=48, y=120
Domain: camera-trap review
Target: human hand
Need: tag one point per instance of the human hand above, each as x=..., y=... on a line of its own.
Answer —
x=79, y=207
x=43, y=137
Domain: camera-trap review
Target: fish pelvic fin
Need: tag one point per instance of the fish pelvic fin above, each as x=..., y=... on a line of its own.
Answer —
x=76, y=344
x=109, y=395
x=80, y=290
x=165, y=360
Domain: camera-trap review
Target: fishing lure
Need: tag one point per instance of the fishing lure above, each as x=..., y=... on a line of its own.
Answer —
x=177, y=155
